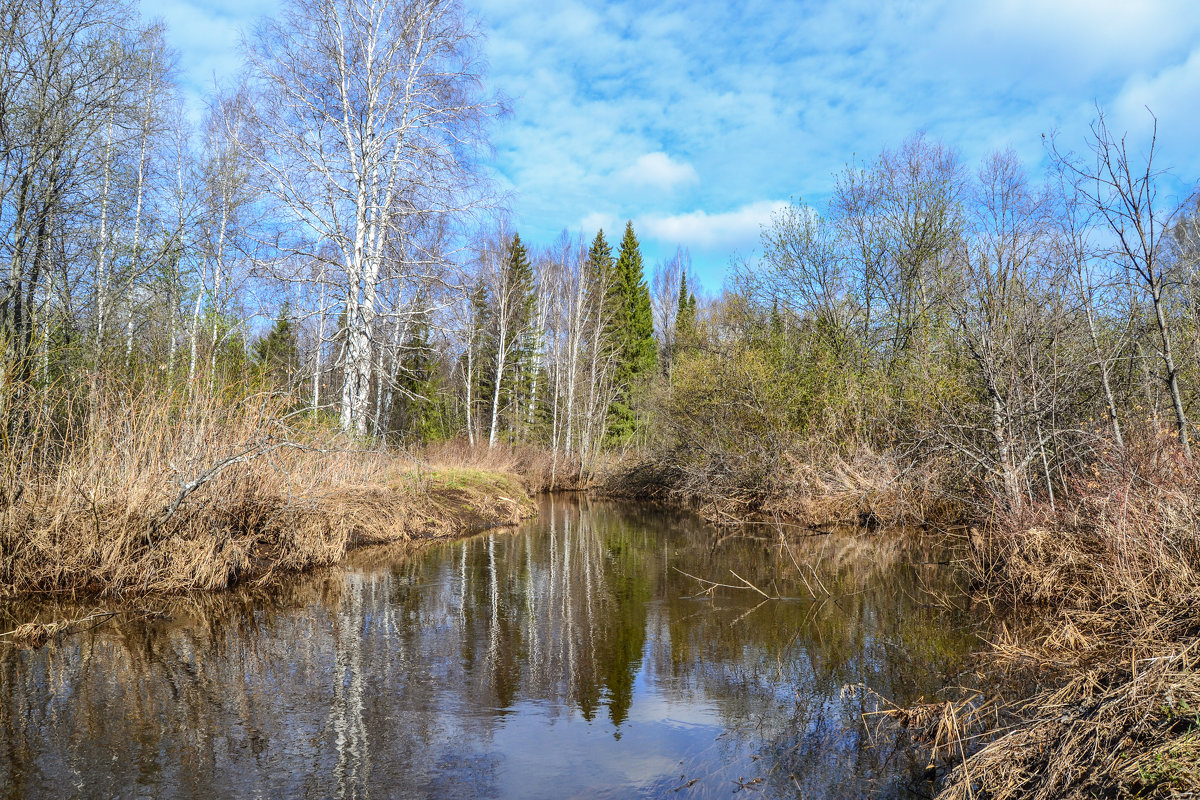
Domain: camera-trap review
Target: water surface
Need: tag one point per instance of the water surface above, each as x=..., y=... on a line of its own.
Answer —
x=574, y=657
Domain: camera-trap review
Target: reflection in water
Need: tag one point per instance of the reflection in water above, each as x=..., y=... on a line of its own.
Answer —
x=571, y=659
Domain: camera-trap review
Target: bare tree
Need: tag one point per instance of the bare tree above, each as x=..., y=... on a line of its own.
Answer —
x=1078, y=257
x=1125, y=193
x=1000, y=317
x=368, y=111
x=66, y=69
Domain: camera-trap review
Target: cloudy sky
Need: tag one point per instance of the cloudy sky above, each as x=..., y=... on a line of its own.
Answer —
x=697, y=119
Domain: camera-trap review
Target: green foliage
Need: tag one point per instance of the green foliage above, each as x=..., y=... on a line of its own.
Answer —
x=633, y=330
x=525, y=336
x=685, y=315
x=517, y=302
x=227, y=347
x=604, y=296
x=602, y=288
x=276, y=355
x=419, y=411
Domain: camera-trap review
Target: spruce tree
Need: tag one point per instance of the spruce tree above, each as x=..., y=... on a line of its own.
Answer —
x=419, y=383
x=524, y=336
x=685, y=315
x=276, y=355
x=638, y=352
x=604, y=289
x=478, y=358
x=512, y=306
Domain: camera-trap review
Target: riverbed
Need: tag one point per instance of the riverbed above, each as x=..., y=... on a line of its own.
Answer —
x=588, y=653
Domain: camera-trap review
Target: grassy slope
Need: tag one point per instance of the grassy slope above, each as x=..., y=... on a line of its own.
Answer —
x=155, y=496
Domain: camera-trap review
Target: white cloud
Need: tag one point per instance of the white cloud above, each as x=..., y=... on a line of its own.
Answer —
x=598, y=221
x=703, y=230
x=659, y=171
x=207, y=35
x=1171, y=94
x=620, y=107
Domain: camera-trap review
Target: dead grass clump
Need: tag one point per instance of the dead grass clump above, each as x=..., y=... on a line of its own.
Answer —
x=1127, y=536
x=1117, y=728
x=821, y=488
x=943, y=729
x=152, y=491
x=1117, y=568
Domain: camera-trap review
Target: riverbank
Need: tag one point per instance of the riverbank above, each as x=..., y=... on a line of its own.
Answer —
x=863, y=488
x=1113, y=572
x=167, y=495
x=1098, y=594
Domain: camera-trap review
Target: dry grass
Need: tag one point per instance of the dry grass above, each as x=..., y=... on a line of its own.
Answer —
x=1128, y=537
x=943, y=729
x=818, y=488
x=1117, y=569
x=539, y=469
x=149, y=492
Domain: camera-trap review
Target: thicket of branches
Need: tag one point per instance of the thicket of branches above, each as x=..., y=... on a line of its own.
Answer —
x=938, y=316
x=323, y=232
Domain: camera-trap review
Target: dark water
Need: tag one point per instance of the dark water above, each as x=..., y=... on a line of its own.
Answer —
x=569, y=659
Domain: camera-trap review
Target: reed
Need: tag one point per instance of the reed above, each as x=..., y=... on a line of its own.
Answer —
x=132, y=490
x=1115, y=567
x=815, y=486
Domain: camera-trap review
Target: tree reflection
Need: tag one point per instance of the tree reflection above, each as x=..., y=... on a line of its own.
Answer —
x=433, y=674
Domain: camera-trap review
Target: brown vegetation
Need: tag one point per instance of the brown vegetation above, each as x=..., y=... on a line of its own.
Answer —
x=864, y=488
x=1117, y=708
x=140, y=492
x=539, y=469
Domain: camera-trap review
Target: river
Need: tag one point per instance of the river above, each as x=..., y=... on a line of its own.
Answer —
x=577, y=656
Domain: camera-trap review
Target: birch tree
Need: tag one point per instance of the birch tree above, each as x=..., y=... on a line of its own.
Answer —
x=65, y=69
x=368, y=111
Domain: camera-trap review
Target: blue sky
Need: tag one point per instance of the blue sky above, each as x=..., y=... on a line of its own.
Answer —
x=697, y=119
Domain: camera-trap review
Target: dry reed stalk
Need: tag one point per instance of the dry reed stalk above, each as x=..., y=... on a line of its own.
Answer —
x=1117, y=566
x=152, y=491
x=819, y=488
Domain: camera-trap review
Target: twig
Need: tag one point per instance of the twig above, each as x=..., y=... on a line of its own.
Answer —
x=752, y=586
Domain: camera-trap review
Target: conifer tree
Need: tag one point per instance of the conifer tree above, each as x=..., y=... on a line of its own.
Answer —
x=475, y=357
x=605, y=290
x=419, y=383
x=603, y=308
x=276, y=354
x=638, y=355
x=520, y=278
x=685, y=314
x=509, y=343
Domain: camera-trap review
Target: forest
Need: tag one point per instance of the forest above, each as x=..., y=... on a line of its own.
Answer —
x=240, y=343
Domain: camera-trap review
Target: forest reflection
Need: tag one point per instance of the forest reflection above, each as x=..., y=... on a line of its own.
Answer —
x=572, y=658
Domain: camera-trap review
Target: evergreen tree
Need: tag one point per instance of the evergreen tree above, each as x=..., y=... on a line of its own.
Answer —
x=419, y=383
x=512, y=305
x=638, y=355
x=685, y=315
x=276, y=354
x=604, y=289
x=600, y=258
x=477, y=360
x=525, y=337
